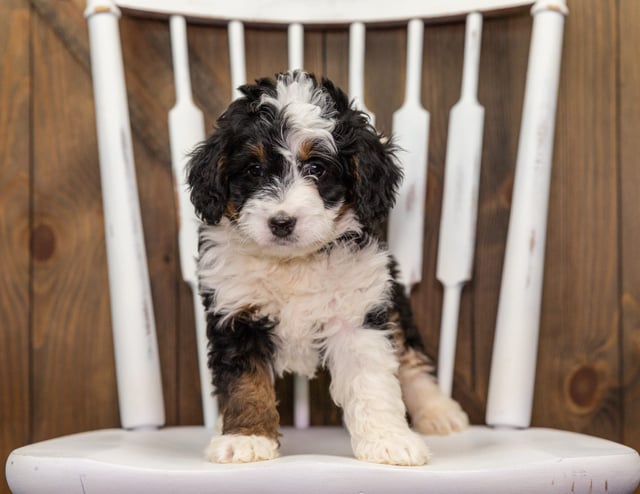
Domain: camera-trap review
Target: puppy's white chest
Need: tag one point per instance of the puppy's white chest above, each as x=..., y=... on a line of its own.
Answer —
x=308, y=298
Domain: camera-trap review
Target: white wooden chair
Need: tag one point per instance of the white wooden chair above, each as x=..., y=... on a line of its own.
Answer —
x=507, y=455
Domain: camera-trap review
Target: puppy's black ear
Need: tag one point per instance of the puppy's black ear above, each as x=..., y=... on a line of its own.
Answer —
x=206, y=179
x=377, y=175
x=374, y=169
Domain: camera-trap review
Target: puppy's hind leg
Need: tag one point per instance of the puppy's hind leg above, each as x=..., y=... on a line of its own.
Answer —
x=430, y=410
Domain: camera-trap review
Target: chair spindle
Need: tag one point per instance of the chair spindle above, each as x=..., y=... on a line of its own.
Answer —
x=134, y=334
x=513, y=363
x=460, y=199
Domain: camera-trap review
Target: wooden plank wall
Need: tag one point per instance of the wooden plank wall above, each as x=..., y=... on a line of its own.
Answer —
x=56, y=372
x=629, y=111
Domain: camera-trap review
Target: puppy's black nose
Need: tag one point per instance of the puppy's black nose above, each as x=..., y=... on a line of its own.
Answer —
x=282, y=225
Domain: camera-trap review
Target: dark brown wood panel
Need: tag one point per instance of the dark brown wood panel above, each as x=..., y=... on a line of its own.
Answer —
x=66, y=19
x=73, y=385
x=505, y=44
x=578, y=370
x=629, y=118
x=15, y=176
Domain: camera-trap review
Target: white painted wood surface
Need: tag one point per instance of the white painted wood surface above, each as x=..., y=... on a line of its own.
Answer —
x=238, y=65
x=295, y=40
x=186, y=129
x=319, y=460
x=411, y=132
x=134, y=334
x=513, y=364
x=301, y=403
x=320, y=12
x=456, y=243
x=357, y=33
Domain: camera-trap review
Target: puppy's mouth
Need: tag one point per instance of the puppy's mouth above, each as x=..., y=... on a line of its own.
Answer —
x=288, y=241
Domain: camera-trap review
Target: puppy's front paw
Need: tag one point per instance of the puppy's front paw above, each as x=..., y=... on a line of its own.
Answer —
x=440, y=416
x=236, y=448
x=396, y=449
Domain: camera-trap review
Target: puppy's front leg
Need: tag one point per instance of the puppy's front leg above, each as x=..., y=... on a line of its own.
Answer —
x=364, y=383
x=240, y=358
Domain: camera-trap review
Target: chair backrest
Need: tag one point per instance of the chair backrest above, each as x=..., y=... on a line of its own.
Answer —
x=513, y=363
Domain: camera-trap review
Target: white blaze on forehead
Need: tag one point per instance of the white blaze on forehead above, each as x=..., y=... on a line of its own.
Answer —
x=307, y=111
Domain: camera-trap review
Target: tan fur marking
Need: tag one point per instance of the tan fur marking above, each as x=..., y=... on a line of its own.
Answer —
x=430, y=411
x=258, y=151
x=305, y=151
x=230, y=211
x=344, y=209
x=413, y=372
x=250, y=408
x=356, y=168
x=408, y=357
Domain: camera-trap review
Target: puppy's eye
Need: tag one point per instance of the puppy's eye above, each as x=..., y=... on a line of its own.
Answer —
x=255, y=170
x=313, y=170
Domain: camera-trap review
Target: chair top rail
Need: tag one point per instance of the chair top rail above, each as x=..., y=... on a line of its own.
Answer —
x=319, y=13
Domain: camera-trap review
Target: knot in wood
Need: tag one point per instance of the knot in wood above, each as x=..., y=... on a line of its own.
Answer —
x=43, y=242
x=583, y=386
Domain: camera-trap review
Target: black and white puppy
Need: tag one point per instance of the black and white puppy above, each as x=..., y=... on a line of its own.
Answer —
x=291, y=188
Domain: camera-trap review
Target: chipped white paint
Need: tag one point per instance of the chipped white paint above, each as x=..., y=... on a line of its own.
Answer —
x=411, y=131
x=134, y=334
x=513, y=365
x=456, y=242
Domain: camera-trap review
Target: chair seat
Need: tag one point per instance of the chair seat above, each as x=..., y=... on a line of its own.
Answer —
x=319, y=459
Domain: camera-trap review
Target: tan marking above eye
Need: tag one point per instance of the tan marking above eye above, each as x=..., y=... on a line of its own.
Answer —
x=305, y=151
x=258, y=151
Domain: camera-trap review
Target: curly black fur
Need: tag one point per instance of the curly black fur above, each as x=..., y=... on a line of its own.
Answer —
x=364, y=172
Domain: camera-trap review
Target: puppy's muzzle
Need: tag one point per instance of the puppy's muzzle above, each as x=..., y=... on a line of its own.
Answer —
x=282, y=224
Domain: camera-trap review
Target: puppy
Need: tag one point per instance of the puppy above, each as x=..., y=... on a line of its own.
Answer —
x=291, y=188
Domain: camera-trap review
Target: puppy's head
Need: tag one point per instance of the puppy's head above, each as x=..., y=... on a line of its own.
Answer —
x=292, y=167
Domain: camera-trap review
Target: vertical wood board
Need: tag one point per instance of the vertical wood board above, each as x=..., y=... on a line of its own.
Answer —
x=73, y=385
x=577, y=384
x=629, y=118
x=15, y=177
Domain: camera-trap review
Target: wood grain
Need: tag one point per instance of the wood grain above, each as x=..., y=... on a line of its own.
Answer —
x=577, y=379
x=65, y=17
x=73, y=385
x=629, y=118
x=15, y=176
